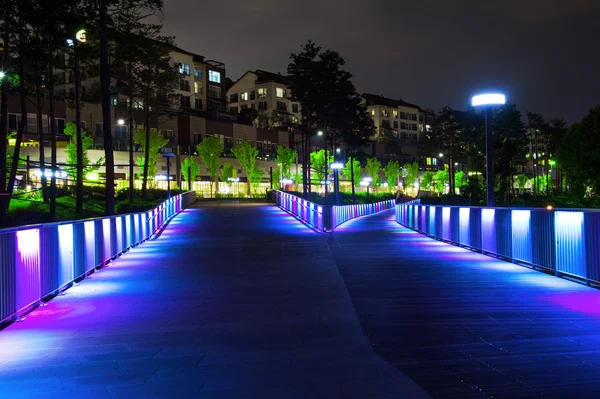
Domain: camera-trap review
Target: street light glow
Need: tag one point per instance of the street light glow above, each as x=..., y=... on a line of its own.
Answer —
x=1, y=75
x=337, y=165
x=319, y=133
x=337, y=150
x=121, y=122
x=441, y=155
x=81, y=36
x=488, y=99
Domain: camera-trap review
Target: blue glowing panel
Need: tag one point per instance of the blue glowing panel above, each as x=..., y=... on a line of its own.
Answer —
x=543, y=242
x=431, y=220
x=488, y=230
x=446, y=223
x=65, y=254
x=521, y=236
x=27, y=272
x=570, y=244
x=464, y=220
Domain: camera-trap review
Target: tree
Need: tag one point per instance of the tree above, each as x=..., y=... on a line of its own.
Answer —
x=446, y=135
x=510, y=145
x=328, y=99
x=190, y=169
x=255, y=178
x=460, y=180
x=372, y=170
x=352, y=169
x=522, y=180
x=441, y=178
x=227, y=173
x=317, y=160
x=285, y=157
x=210, y=150
x=392, y=172
x=157, y=142
x=427, y=180
x=246, y=155
x=276, y=178
x=412, y=172
x=74, y=164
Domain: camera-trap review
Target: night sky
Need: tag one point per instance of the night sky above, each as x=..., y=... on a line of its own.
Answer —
x=544, y=54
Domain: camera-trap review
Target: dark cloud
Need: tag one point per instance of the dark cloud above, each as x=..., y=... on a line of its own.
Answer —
x=544, y=54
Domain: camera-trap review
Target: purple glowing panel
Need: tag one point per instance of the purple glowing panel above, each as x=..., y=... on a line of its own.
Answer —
x=27, y=273
x=570, y=243
x=521, y=236
x=106, y=239
x=488, y=230
x=446, y=223
x=119, y=224
x=128, y=232
x=66, y=262
x=90, y=245
x=464, y=215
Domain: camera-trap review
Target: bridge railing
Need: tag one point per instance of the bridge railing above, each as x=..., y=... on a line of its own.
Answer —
x=565, y=242
x=39, y=261
x=326, y=217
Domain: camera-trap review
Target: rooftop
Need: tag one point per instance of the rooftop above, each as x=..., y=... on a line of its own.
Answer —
x=374, y=99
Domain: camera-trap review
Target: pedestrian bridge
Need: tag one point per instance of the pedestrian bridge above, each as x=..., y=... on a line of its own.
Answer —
x=235, y=299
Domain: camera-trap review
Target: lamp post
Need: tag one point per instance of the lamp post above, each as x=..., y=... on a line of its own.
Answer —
x=168, y=155
x=336, y=166
x=366, y=182
x=488, y=101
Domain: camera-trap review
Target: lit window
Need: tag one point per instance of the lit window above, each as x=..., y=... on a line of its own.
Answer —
x=244, y=96
x=214, y=76
x=280, y=92
x=434, y=161
x=428, y=161
x=395, y=113
x=197, y=87
x=262, y=92
x=197, y=73
x=184, y=69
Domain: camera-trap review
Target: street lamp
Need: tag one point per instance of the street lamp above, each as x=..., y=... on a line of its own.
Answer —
x=168, y=155
x=488, y=101
x=120, y=122
x=319, y=133
x=2, y=74
x=441, y=155
x=366, y=182
x=336, y=166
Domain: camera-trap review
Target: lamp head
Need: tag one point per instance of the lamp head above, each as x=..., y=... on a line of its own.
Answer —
x=488, y=99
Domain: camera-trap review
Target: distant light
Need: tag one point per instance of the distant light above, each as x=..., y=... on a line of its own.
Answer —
x=121, y=122
x=324, y=182
x=2, y=74
x=441, y=155
x=164, y=177
x=63, y=174
x=549, y=207
x=81, y=36
x=337, y=150
x=12, y=142
x=92, y=176
x=455, y=163
x=368, y=179
x=233, y=179
x=70, y=42
x=337, y=165
x=320, y=133
x=552, y=162
x=488, y=99
x=385, y=184
x=287, y=181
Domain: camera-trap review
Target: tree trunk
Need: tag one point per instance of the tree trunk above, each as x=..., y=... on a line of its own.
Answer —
x=4, y=113
x=23, y=124
x=352, y=179
x=131, y=173
x=39, y=104
x=53, y=128
x=309, y=188
x=146, y=146
x=78, y=137
x=106, y=120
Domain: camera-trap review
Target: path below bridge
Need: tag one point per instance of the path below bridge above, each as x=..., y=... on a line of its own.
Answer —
x=232, y=300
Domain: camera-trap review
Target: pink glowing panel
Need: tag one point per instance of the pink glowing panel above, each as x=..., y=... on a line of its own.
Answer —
x=90, y=245
x=65, y=254
x=120, y=244
x=107, y=238
x=28, y=267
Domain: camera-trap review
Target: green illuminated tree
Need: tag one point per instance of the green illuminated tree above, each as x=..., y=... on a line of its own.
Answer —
x=372, y=170
x=255, y=178
x=317, y=161
x=71, y=151
x=353, y=168
x=210, y=150
x=190, y=169
x=522, y=180
x=246, y=155
x=157, y=141
x=441, y=178
x=460, y=181
x=427, y=180
x=285, y=157
x=391, y=172
x=227, y=173
x=412, y=173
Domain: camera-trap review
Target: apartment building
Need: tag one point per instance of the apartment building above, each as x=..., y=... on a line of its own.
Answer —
x=394, y=119
x=269, y=94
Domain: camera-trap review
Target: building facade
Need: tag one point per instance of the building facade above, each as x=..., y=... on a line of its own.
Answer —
x=269, y=94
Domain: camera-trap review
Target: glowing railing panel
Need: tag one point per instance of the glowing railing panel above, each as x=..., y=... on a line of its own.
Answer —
x=38, y=261
x=562, y=241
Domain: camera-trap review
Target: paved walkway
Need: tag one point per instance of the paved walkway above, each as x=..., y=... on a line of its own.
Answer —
x=464, y=325
x=233, y=300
